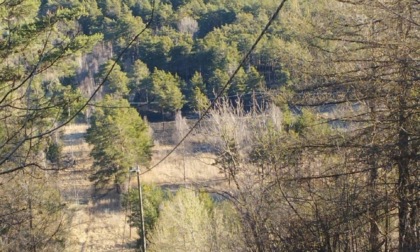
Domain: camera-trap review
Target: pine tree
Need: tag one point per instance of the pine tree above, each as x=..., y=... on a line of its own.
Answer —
x=166, y=89
x=117, y=81
x=120, y=141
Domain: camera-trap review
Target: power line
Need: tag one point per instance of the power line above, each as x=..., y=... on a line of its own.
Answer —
x=117, y=60
x=78, y=111
x=219, y=94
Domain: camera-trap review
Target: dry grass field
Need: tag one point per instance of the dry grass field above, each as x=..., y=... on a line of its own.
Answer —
x=181, y=168
x=97, y=225
x=101, y=225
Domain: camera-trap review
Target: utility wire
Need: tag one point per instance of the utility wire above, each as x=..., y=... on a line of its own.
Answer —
x=116, y=61
x=219, y=94
x=78, y=111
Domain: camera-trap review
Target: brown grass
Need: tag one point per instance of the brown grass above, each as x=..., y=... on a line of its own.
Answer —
x=199, y=168
x=100, y=231
x=99, y=227
x=94, y=227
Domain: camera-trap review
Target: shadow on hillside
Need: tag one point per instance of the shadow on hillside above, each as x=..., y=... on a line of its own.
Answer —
x=127, y=245
x=107, y=202
x=74, y=139
x=197, y=148
x=76, y=195
x=74, y=136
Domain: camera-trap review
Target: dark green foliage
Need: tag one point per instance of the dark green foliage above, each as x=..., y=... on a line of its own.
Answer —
x=166, y=88
x=154, y=51
x=196, y=93
x=120, y=140
x=53, y=152
x=209, y=37
x=216, y=83
x=117, y=82
x=214, y=19
x=153, y=197
x=137, y=74
x=181, y=59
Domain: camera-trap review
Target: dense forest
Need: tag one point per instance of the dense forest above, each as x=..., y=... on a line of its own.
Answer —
x=310, y=108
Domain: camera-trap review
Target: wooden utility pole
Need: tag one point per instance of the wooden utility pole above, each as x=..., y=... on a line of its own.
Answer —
x=141, y=208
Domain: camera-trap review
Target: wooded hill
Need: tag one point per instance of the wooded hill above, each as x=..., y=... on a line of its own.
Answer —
x=186, y=55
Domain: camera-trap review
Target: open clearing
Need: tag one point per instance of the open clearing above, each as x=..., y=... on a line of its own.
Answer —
x=101, y=224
